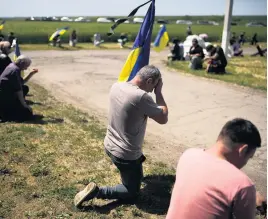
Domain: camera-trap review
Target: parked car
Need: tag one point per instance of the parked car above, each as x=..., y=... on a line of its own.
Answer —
x=55, y=19
x=46, y=19
x=103, y=20
x=162, y=21
x=184, y=22
x=66, y=19
x=208, y=23
x=137, y=20
x=256, y=24
x=81, y=19
x=126, y=22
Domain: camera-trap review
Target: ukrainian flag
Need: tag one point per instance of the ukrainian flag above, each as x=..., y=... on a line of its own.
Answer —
x=16, y=55
x=139, y=56
x=161, y=40
x=2, y=25
x=59, y=32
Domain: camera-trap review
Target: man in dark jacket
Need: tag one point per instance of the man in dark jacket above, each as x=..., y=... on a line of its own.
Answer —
x=217, y=60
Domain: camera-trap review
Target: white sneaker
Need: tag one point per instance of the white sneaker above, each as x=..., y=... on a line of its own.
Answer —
x=88, y=193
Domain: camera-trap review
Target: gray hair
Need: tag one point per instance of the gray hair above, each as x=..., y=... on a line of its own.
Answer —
x=149, y=71
x=23, y=61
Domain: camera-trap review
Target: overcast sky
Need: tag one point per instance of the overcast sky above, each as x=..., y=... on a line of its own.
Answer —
x=14, y=8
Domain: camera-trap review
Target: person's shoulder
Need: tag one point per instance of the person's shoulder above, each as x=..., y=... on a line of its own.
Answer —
x=241, y=179
x=191, y=152
x=128, y=89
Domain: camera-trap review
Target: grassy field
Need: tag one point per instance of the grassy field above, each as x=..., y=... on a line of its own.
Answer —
x=245, y=71
x=43, y=165
x=38, y=32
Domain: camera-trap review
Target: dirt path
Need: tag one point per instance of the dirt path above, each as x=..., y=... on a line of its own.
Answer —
x=198, y=107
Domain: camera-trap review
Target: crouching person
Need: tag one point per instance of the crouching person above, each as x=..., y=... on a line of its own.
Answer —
x=12, y=102
x=217, y=60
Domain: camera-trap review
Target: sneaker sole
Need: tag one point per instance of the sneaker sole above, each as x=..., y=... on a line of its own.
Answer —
x=81, y=196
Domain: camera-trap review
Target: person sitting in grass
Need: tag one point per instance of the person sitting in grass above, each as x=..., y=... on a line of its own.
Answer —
x=217, y=60
x=209, y=182
x=196, y=55
x=130, y=107
x=238, y=51
x=13, y=106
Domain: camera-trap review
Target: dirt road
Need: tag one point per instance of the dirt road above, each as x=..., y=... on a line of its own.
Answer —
x=198, y=107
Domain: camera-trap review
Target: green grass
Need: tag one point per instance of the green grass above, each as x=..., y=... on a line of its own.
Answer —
x=38, y=32
x=246, y=71
x=43, y=165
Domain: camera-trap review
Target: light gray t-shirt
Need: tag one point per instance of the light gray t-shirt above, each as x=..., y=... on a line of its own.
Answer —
x=129, y=109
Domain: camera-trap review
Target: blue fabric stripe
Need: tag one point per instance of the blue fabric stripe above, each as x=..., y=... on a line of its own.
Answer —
x=159, y=36
x=136, y=67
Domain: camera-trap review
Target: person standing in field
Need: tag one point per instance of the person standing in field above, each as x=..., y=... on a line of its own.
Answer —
x=130, y=107
x=209, y=183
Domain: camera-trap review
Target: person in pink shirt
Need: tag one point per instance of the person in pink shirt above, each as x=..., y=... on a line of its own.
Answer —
x=209, y=183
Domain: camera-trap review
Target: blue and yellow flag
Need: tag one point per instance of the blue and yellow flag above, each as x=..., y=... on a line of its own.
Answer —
x=161, y=40
x=16, y=55
x=2, y=25
x=59, y=32
x=139, y=56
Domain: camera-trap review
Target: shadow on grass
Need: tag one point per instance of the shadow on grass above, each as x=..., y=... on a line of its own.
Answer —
x=154, y=197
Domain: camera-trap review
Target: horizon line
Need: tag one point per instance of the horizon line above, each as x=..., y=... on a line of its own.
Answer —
x=135, y=16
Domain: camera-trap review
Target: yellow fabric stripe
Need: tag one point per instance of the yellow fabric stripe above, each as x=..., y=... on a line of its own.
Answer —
x=129, y=64
x=163, y=42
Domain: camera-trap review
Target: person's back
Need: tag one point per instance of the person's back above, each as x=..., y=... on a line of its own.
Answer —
x=221, y=56
x=206, y=186
x=10, y=80
x=126, y=107
x=209, y=183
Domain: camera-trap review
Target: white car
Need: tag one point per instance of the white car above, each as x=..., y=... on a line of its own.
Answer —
x=66, y=19
x=126, y=22
x=103, y=20
x=184, y=22
x=137, y=20
x=80, y=19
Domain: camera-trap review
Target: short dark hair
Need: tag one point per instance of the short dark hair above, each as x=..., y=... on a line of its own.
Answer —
x=209, y=48
x=240, y=131
x=195, y=40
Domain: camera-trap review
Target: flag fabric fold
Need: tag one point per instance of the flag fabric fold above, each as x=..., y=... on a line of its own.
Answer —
x=2, y=25
x=139, y=56
x=59, y=32
x=122, y=20
x=161, y=39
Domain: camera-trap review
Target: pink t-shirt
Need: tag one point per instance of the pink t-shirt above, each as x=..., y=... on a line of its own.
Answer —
x=207, y=187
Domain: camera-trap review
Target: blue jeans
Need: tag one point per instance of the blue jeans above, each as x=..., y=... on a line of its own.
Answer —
x=131, y=175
